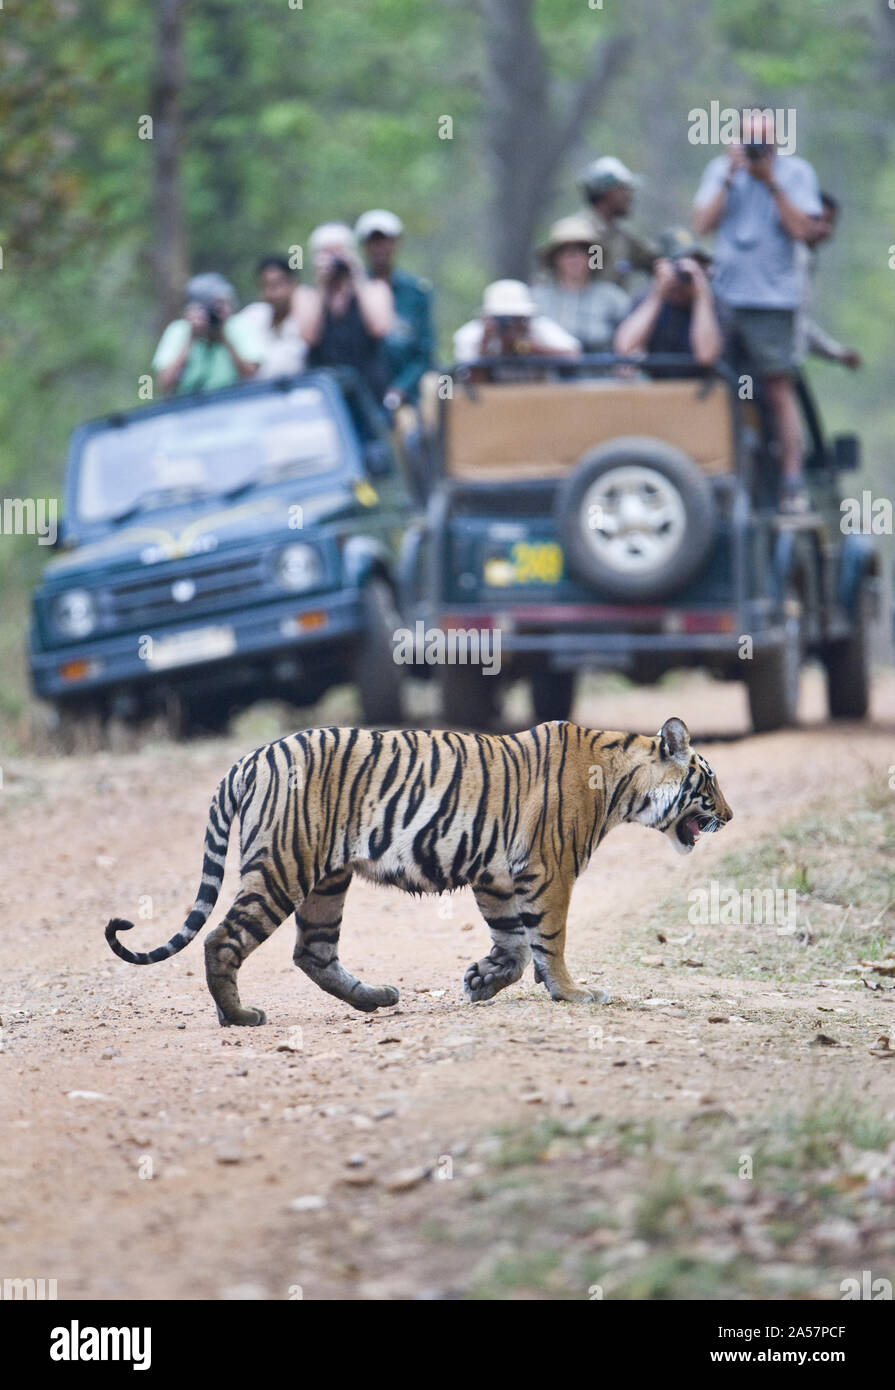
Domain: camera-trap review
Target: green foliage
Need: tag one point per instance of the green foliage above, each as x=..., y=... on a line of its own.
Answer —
x=293, y=116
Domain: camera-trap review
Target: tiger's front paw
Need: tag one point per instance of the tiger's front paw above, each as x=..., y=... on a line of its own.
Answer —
x=245, y=1018
x=488, y=977
x=580, y=996
x=368, y=998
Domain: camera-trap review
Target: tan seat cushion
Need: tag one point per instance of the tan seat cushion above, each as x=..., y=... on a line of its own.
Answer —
x=540, y=428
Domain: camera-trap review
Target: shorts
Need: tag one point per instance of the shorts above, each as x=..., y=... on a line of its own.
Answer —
x=766, y=338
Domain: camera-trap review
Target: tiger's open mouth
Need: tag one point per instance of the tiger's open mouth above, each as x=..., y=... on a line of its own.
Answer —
x=689, y=828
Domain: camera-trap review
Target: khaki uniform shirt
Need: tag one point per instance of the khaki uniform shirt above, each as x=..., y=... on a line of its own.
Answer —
x=623, y=251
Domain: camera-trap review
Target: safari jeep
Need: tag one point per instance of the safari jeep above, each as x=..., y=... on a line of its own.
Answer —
x=218, y=548
x=590, y=518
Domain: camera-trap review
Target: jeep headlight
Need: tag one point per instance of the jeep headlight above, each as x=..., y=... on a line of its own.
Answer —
x=74, y=613
x=298, y=567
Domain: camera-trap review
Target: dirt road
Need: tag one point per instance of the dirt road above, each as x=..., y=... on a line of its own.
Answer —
x=149, y=1153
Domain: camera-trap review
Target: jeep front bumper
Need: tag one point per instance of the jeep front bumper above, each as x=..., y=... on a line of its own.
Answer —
x=215, y=650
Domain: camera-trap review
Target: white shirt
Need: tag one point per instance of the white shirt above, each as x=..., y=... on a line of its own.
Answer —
x=543, y=333
x=283, y=348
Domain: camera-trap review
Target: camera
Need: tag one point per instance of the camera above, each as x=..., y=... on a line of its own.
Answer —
x=683, y=277
x=755, y=150
x=339, y=268
x=212, y=314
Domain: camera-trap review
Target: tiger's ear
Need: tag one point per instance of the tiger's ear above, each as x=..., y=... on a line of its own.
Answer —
x=674, y=739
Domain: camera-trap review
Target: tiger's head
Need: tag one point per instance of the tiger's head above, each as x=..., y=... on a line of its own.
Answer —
x=682, y=796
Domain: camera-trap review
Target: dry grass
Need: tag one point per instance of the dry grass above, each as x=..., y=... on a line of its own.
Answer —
x=787, y=1206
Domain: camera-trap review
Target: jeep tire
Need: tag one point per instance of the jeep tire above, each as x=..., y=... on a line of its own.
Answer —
x=377, y=675
x=552, y=695
x=467, y=697
x=774, y=677
x=847, y=663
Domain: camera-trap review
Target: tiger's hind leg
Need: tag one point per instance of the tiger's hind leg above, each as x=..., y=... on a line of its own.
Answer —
x=318, y=921
x=509, y=954
x=251, y=919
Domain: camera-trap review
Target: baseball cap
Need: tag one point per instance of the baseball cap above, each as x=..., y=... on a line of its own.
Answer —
x=508, y=299
x=606, y=172
x=677, y=242
x=378, y=220
x=210, y=287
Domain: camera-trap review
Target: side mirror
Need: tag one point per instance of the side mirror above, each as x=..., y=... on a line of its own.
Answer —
x=846, y=453
x=378, y=458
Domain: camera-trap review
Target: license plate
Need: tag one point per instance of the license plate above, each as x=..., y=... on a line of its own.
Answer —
x=186, y=648
x=537, y=563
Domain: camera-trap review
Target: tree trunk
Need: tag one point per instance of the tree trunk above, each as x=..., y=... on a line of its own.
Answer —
x=526, y=140
x=170, y=250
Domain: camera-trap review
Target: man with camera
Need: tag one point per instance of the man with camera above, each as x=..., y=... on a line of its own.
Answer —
x=411, y=342
x=762, y=204
x=677, y=314
x=273, y=319
x=509, y=326
x=209, y=347
x=345, y=316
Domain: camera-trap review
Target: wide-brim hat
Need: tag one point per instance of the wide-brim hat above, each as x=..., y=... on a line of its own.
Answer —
x=568, y=231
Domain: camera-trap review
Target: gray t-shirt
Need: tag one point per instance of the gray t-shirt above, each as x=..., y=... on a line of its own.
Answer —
x=591, y=315
x=755, y=257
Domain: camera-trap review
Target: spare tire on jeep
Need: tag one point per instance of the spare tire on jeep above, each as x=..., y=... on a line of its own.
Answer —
x=636, y=518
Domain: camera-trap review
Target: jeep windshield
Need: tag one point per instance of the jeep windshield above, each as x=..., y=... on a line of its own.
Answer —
x=214, y=450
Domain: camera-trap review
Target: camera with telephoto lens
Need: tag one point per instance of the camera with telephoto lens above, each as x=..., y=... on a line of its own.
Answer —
x=755, y=150
x=212, y=313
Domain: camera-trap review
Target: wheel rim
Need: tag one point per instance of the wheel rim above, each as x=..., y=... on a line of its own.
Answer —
x=633, y=519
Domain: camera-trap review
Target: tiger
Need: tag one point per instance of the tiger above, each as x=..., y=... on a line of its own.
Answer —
x=516, y=817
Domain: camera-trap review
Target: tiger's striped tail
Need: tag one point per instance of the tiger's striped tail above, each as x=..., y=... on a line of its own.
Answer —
x=223, y=807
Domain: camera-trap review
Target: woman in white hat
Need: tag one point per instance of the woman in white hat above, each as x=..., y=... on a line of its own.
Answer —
x=582, y=302
x=509, y=325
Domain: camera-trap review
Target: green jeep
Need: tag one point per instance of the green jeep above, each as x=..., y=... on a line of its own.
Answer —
x=216, y=549
x=591, y=518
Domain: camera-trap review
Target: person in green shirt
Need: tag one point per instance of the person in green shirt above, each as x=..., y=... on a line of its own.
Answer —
x=410, y=344
x=209, y=347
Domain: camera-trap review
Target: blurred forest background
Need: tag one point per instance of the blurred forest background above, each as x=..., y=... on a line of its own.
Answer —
x=272, y=116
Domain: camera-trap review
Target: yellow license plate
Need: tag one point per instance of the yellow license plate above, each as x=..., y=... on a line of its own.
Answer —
x=536, y=563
